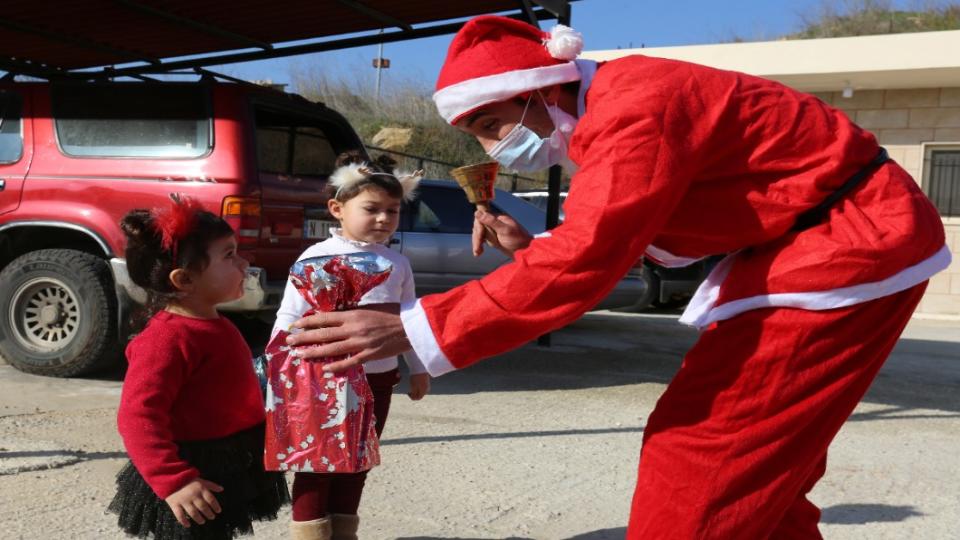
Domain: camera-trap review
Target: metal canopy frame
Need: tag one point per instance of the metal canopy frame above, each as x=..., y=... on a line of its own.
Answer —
x=532, y=11
x=294, y=50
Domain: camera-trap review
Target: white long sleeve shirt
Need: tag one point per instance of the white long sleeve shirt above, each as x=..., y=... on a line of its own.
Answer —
x=398, y=288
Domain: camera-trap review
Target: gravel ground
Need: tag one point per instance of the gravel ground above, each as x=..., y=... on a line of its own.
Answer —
x=539, y=443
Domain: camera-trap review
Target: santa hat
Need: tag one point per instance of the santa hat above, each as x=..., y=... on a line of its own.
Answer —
x=495, y=58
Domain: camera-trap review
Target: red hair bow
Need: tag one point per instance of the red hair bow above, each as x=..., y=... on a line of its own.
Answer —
x=176, y=221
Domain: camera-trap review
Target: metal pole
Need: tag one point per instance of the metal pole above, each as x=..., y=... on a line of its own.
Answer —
x=379, y=66
x=553, y=182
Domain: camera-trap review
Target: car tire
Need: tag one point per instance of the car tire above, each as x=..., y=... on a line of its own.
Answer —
x=57, y=313
x=652, y=293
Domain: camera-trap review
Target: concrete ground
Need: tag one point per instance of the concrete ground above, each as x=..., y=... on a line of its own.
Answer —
x=539, y=443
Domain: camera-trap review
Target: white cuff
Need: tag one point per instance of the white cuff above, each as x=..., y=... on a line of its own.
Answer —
x=544, y=234
x=421, y=337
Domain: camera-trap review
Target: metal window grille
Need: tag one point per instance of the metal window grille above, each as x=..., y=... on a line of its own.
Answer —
x=943, y=182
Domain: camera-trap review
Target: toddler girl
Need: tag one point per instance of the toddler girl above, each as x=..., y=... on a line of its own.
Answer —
x=191, y=413
x=365, y=199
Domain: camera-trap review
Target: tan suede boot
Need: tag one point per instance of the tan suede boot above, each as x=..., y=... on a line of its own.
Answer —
x=344, y=526
x=317, y=529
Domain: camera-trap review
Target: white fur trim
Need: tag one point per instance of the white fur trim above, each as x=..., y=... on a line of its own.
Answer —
x=703, y=311
x=409, y=182
x=458, y=99
x=564, y=42
x=669, y=260
x=424, y=343
x=347, y=175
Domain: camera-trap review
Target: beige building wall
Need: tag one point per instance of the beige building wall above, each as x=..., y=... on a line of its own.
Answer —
x=908, y=122
x=906, y=90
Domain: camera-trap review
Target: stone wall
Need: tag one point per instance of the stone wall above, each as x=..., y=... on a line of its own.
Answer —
x=904, y=121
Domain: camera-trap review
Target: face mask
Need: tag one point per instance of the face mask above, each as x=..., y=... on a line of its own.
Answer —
x=524, y=150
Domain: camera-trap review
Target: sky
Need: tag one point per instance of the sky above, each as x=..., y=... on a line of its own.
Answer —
x=605, y=24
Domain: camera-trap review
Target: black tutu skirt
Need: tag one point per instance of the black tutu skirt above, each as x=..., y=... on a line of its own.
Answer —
x=235, y=462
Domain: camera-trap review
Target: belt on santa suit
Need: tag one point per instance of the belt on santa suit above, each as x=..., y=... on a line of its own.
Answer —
x=816, y=214
x=703, y=310
x=804, y=221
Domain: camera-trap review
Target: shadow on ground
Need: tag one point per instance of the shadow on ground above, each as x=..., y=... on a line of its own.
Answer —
x=859, y=514
x=509, y=435
x=603, y=534
x=456, y=538
x=606, y=349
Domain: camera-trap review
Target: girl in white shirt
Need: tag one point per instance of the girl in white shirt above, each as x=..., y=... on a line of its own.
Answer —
x=365, y=199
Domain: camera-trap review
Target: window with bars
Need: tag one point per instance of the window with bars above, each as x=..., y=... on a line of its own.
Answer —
x=943, y=180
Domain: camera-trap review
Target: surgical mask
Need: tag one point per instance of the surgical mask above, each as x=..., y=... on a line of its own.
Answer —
x=524, y=150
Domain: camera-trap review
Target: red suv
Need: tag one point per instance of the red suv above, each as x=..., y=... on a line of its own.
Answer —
x=75, y=157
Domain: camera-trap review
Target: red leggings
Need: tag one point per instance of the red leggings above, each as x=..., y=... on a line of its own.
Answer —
x=741, y=434
x=318, y=495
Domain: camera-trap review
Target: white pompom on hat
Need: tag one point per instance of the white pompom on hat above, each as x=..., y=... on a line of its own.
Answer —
x=495, y=58
x=564, y=42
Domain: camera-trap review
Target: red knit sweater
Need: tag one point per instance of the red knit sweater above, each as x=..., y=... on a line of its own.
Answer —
x=189, y=379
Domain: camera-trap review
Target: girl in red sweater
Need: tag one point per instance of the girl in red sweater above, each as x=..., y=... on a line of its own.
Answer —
x=191, y=414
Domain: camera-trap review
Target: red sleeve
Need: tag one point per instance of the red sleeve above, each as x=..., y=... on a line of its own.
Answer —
x=636, y=147
x=157, y=370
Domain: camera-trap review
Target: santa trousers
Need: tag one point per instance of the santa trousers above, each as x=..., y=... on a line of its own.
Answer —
x=741, y=434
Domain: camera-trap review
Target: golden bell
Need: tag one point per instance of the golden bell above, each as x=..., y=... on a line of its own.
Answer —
x=477, y=181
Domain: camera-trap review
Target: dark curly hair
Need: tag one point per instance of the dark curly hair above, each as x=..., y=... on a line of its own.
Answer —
x=381, y=164
x=149, y=264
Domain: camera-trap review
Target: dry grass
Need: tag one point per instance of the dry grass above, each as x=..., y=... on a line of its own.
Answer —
x=405, y=104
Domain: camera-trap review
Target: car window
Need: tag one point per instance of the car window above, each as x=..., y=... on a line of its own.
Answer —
x=441, y=210
x=133, y=120
x=312, y=152
x=292, y=144
x=11, y=140
x=538, y=201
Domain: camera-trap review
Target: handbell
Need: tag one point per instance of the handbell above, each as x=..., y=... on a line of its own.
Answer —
x=477, y=181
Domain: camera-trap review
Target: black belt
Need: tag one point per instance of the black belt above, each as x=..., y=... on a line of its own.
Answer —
x=816, y=214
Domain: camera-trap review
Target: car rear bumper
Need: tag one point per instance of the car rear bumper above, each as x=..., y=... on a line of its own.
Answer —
x=258, y=293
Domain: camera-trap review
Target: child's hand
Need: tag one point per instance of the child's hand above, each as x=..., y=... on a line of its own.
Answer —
x=419, y=386
x=196, y=500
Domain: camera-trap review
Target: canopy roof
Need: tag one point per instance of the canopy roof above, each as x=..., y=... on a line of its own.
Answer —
x=55, y=37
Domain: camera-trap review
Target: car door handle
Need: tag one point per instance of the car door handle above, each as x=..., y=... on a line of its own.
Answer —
x=3, y=184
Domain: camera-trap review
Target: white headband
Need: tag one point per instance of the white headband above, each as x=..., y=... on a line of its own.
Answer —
x=348, y=175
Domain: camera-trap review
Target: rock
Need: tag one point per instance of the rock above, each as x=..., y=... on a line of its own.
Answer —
x=392, y=138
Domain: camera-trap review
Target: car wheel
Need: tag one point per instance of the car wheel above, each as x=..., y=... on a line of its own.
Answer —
x=652, y=294
x=57, y=313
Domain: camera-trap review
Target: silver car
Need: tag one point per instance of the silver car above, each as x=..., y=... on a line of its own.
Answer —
x=666, y=287
x=435, y=234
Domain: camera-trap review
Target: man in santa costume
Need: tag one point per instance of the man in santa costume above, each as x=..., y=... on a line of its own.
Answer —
x=830, y=248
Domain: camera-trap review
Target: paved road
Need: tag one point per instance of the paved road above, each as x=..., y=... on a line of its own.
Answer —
x=539, y=443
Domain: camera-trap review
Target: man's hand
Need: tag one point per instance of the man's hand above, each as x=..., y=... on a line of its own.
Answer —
x=419, y=386
x=365, y=333
x=196, y=500
x=510, y=235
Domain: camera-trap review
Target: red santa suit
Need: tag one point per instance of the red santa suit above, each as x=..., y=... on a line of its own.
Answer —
x=696, y=161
